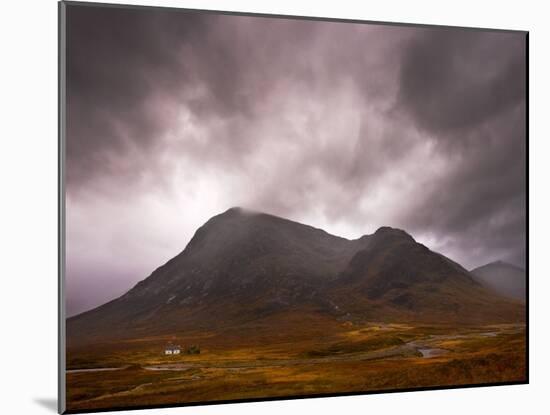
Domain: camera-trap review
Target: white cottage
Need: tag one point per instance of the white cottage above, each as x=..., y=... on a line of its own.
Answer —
x=171, y=349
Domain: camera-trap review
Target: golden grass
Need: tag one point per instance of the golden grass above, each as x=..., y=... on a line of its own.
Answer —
x=352, y=359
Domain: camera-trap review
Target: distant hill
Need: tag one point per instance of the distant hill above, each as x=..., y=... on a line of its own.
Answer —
x=243, y=267
x=506, y=279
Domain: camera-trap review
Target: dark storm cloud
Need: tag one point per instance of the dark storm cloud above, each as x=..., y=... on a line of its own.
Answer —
x=456, y=79
x=174, y=117
x=111, y=53
x=466, y=89
x=128, y=70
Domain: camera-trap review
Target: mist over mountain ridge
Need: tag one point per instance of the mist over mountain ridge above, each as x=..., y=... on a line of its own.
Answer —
x=504, y=278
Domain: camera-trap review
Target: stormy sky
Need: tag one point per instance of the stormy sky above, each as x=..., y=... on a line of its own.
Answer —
x=173, y=117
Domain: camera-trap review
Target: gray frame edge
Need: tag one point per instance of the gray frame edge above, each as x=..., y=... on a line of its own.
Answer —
x=61, y=111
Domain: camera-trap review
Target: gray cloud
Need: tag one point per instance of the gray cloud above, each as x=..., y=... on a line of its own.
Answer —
x=466, y=90
x=453, y=80
x=174, y=117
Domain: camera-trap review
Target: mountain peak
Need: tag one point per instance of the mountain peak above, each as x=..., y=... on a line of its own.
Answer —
x=389, y=232
x=236, y=210
x=501, y=264
x=234, y=213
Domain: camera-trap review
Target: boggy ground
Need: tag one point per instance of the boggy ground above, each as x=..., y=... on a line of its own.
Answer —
x=256, y=363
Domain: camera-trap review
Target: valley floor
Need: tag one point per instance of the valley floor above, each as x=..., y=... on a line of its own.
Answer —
x=356, y=358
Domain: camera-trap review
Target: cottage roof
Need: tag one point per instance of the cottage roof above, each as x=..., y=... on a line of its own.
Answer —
x=172, y=347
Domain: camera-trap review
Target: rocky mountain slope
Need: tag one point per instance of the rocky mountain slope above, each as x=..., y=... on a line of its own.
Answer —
x=243, y=266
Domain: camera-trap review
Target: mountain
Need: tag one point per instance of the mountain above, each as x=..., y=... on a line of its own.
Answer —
x=506, y=279
x=244, y=266
x=395, y=271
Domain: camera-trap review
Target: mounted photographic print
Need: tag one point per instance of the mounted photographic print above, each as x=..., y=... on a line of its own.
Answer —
x=258, y=207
